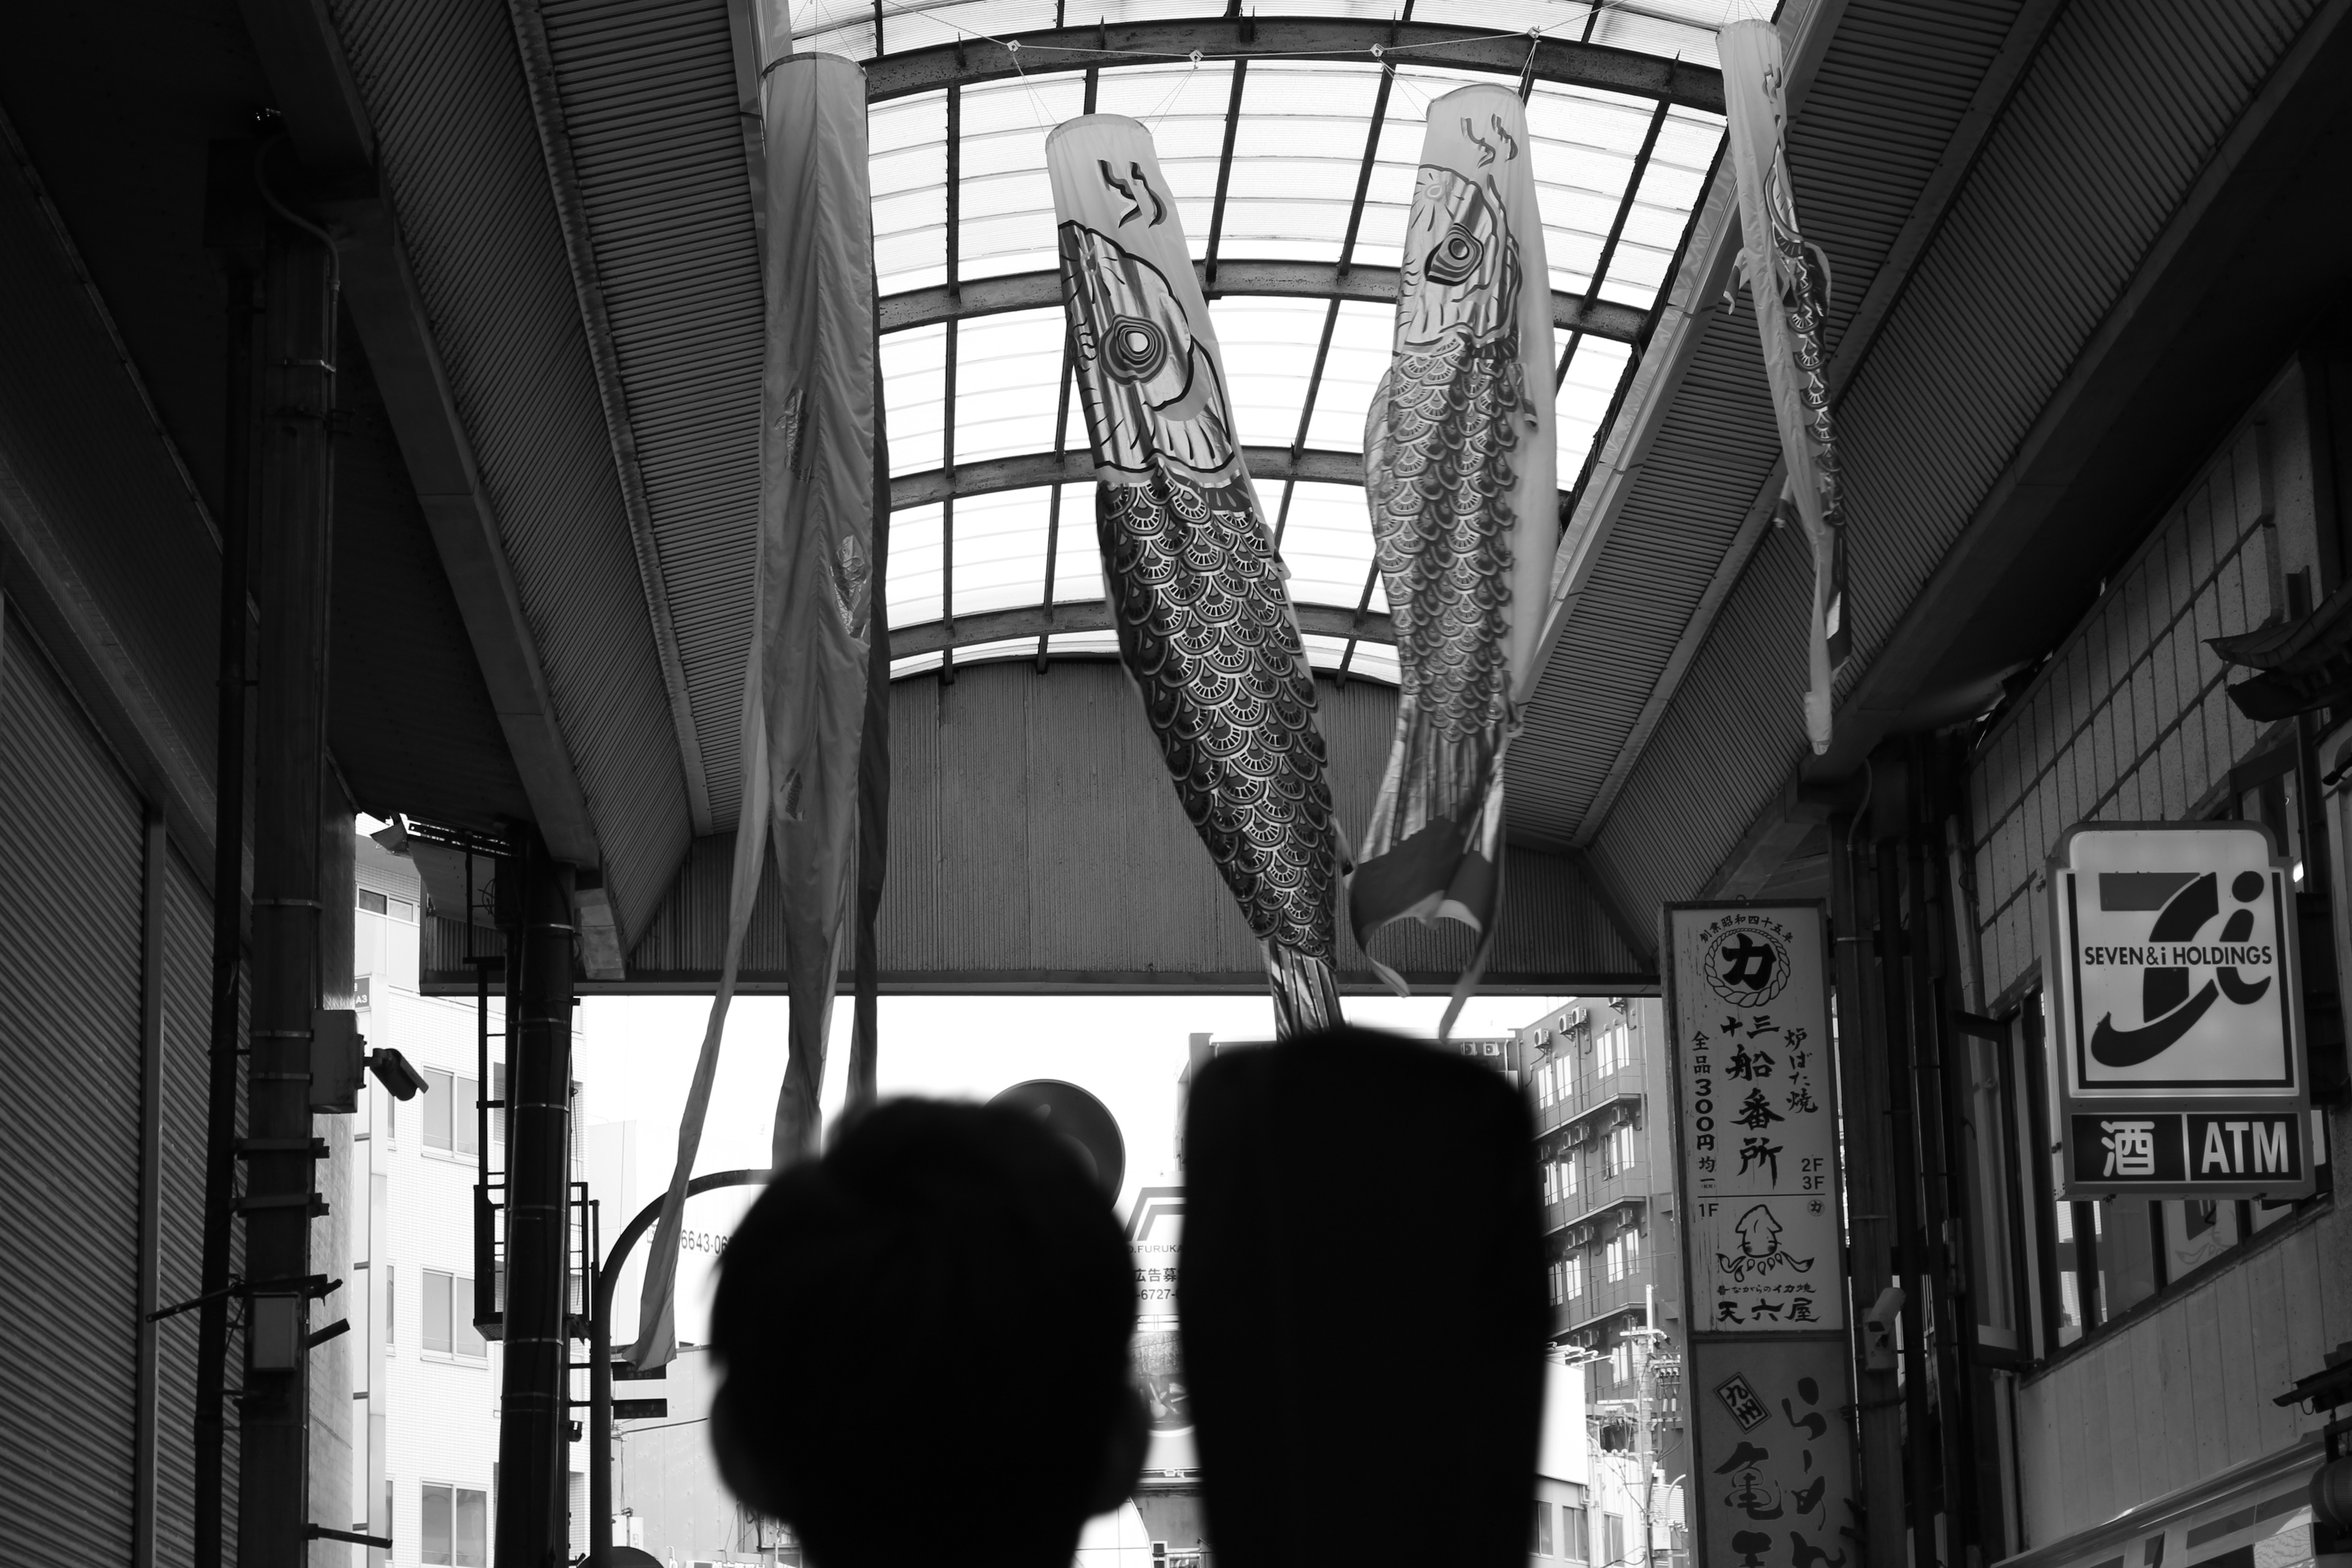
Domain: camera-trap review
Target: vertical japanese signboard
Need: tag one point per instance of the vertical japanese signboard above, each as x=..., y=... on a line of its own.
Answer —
x=1755, y=1110
x=2176, y=1013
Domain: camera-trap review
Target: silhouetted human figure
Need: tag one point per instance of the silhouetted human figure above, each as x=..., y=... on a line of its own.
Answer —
x=1362, y=1293
x=924, y=1336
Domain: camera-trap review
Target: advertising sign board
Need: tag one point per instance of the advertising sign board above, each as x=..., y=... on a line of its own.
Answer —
x=1155, y=1236
x=1755, y=1114
x=2176, y=1013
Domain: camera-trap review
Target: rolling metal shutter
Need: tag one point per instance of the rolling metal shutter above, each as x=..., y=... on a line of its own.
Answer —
x=188, y=1089
x=70, y=853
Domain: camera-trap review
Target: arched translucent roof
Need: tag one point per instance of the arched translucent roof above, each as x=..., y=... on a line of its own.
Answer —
x=1297, y=186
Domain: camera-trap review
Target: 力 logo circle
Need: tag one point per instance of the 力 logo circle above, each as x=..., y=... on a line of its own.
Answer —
x=1747, y=965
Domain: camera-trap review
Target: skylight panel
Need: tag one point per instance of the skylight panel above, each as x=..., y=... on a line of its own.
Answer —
x=1077, y=563
x=1083, y=644
x=1269, y=350
x=1363, y=348
x=1324, y=653
x=1375, y=661
x=1003, y=647
x=1295, y=159
x=1328, y=544
x=916, y=578
x=1657, y=33
x=1005, y=206
x=1582, y=401
x=1000, y=550
x=1008, y=386
x=1184, y=108
x=914, y=388
x=907, y=168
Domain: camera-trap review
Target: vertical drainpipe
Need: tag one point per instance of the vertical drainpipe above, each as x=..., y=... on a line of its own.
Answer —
x=294, y=520
x=1869, y=1178
x=151, y=1195
x=534, y=1404
x=239, y=284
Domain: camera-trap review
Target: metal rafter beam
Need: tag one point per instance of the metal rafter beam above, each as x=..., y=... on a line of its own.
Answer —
x=1208, y=267
x=1274, y=279
x=1094, y=616
x=1078, y=468
x=971, y=60
x=588, y=286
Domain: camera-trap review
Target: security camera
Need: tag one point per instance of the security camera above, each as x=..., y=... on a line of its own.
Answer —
x=392, y=1071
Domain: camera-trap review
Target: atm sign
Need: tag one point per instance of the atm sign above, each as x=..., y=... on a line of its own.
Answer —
x=2119, y=1150
x=2234, y=1148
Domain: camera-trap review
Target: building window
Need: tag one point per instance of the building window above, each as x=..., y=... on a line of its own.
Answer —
x=1617, y=1150
x=1559, y=1179
x=456, y=1529
x=1615, y=1256
x=391, y=1303
x=1612, y=1536
x=1575, y=1542
x=1576, y=1277
x=373, y=904
x=449, y=1315
x=1542, y=1547
x=449, y=1111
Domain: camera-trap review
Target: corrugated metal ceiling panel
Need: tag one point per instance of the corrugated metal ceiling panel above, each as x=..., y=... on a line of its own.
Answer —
x=1896, y=78
x=2103, y=139
x=442, y=84
x=649, y=99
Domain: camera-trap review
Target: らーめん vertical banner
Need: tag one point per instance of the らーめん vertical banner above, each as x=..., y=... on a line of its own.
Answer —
x=1789, y=282
x=1196, y=590
x=805, y=687
x=1769, y=1372
x=1460, y=459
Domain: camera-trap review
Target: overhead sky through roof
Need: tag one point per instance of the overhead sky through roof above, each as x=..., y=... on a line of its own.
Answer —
x=1619, y=177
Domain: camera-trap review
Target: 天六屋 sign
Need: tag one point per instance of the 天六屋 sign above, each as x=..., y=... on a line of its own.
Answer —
x=2176, y=1013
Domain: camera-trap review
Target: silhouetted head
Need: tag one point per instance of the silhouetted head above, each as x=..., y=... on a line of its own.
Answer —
x=925, y=1341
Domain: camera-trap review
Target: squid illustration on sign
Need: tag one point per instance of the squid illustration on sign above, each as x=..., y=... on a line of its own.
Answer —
x=1196, y=591
x=1789, y=281
x=1460, y=461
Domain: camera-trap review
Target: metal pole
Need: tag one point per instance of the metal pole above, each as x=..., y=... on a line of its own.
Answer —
x=295, y=518
x=1642, y=1417
x=150, y=1192
x=229, y=923
x=1869, y=1183
x=600, y=1358
x=533, y=1406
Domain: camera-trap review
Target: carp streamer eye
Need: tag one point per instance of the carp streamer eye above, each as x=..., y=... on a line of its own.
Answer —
x=1456, y=256
x=1137, y=348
